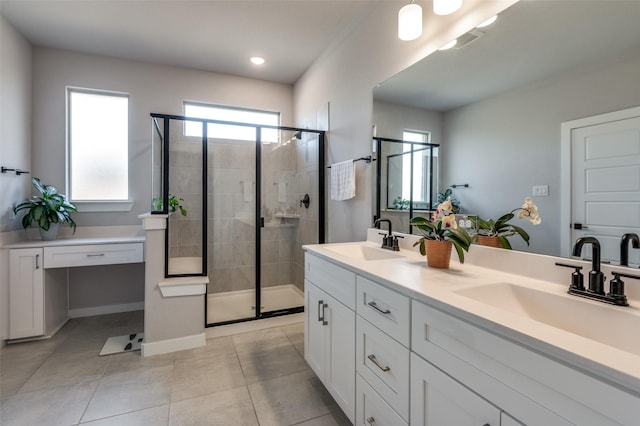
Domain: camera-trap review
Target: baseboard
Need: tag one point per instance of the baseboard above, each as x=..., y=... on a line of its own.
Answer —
x=173, y=345
x=104, y=310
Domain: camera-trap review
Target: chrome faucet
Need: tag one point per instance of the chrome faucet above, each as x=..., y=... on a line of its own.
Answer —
x=389, y=241
x=624, y=247
x=596, y=278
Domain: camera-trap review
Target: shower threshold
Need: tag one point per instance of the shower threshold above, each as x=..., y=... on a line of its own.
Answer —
x=237, y=305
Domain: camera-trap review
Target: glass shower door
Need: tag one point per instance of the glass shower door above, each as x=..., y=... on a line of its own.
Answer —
x=283, y=186
x=231, y=292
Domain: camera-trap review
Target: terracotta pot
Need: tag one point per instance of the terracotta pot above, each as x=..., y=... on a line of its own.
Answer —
x=484, y=240
x=438, y=253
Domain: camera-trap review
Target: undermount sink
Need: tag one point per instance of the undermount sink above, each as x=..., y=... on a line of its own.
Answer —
x=612, y=326
x=360, y=251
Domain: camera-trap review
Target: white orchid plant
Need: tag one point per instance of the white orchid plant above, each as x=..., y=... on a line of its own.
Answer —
x=501, y=227
x=442, y=226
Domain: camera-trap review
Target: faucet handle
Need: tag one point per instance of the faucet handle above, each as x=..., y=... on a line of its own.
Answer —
x=616, y=288
x=577, y=278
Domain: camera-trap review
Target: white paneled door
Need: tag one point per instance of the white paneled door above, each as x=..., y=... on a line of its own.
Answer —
x=605, y=183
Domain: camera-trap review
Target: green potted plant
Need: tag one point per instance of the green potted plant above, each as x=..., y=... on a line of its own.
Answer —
x=175, y=203
x=439, y=233
x=494, y=233
x=48, y=210
x=447, y=195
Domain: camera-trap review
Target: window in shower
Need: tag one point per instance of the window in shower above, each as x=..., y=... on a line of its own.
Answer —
x=230, y=114
x=98, y=146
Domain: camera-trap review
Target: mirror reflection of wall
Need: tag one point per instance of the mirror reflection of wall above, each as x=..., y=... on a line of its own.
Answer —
x=498, y=103
x=400, y=122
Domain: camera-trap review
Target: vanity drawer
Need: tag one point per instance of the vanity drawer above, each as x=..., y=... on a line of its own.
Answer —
x=371, y=409
x=384, y=364
x=384, y=308
x=333, y=279
x=93, y=254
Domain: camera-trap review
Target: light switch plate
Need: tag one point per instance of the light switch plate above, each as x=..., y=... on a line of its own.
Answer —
x=540, y=190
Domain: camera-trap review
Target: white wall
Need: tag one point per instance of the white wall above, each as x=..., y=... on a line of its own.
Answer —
x=505, y=145
x=344, y=78
x=151, y=88
x=15, y=121
x=15, y=142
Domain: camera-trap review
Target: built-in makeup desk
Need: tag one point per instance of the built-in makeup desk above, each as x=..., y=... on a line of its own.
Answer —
x=39, y=283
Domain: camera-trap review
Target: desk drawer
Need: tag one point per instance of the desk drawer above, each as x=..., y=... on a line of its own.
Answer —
x=93, y=254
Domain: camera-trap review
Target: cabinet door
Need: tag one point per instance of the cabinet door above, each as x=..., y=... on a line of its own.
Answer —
x=437, y=399
x=26, y=293
x=314, y=330
x=340, y=355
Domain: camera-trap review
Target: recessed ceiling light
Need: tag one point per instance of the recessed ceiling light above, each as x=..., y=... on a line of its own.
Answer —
x=449, y=45
x=488, y=21
x=257, y=60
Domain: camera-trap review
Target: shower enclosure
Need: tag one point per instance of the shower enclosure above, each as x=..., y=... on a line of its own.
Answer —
x=242, y=188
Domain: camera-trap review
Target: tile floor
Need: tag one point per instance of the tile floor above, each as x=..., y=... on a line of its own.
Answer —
x=255, y=378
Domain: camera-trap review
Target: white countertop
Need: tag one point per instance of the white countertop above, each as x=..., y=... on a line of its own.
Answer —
x=88, y=235
x=411, y=276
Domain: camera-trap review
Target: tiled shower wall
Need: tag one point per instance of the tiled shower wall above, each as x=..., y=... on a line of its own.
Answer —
x=289, y=172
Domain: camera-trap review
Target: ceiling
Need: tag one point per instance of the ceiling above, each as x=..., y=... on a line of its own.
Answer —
x=530, y=41
x=210, y=35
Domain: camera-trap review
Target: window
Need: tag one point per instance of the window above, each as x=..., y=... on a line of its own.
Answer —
x=98, y=145
x=420, y=166
x=226, y=131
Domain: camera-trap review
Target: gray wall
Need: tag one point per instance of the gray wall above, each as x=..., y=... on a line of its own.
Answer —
x=15, y=121
x=505, y=145
x=152, y=88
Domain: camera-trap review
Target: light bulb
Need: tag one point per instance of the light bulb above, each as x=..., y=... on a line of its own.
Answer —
x=410, y=22
x=257, y=60
x=446, y=7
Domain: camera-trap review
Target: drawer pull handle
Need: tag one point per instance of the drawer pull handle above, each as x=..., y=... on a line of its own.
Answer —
x=95, y=255
x=371, y=421
x=322, y=305
x=37, y=261
x=375, y=306
x=373, y=359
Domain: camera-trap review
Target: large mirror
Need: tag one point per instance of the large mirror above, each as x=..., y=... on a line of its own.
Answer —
x=496, y=104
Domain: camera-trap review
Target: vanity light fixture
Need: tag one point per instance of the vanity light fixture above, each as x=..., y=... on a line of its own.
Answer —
x=488, y=22
x=446, y=7
x=410, y=22
x=257, y=60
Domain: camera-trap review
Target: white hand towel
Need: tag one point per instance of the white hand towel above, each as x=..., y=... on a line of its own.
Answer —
x=343, y=180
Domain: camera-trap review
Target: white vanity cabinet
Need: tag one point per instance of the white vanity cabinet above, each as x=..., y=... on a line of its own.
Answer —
x=26, y=291
x=527, y=387
x=330, y=329
x=38, y=281
x=437, y=399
